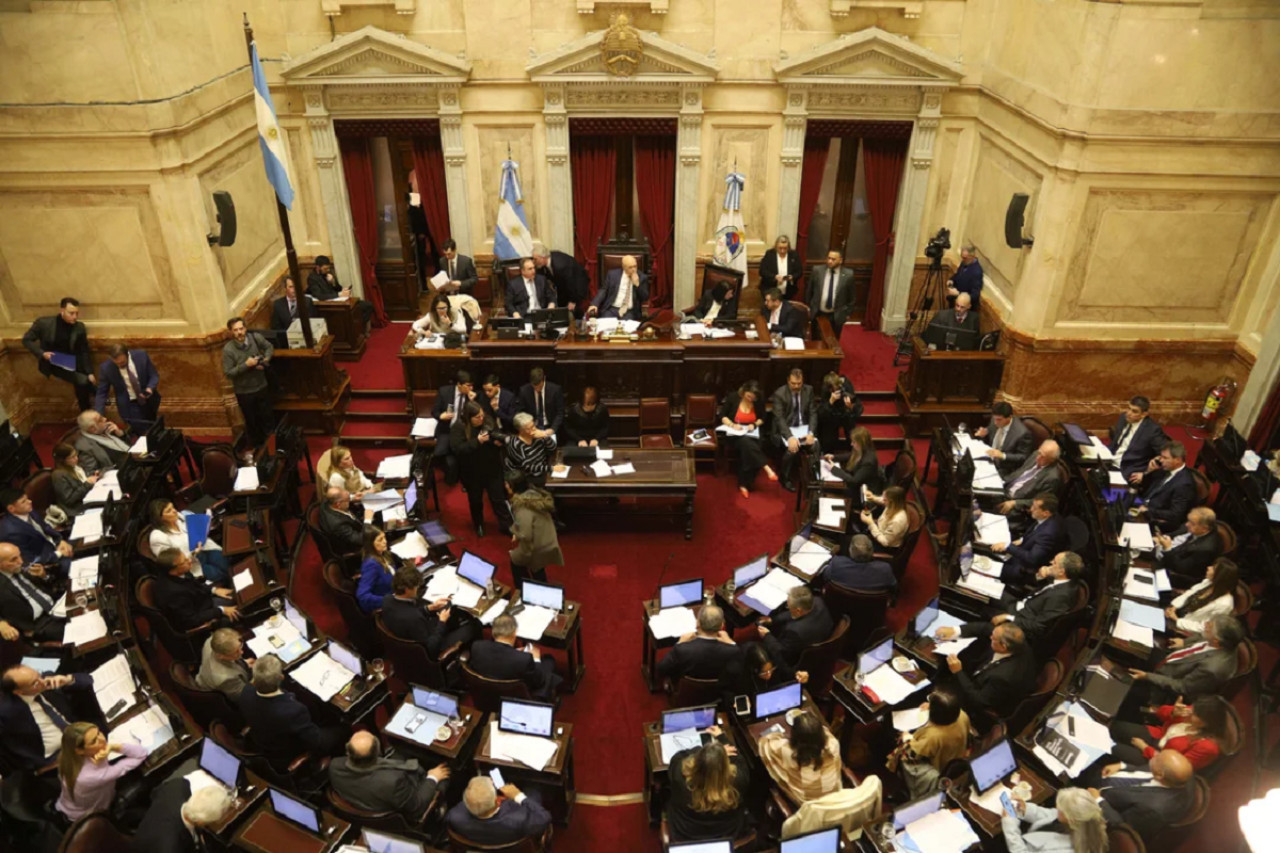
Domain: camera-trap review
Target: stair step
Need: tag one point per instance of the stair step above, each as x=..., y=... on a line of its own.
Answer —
x=378, y=392
x=393, y=442
x=398, y=427
x=375, y=416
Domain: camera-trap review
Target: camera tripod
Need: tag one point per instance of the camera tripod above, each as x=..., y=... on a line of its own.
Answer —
x=918, y=316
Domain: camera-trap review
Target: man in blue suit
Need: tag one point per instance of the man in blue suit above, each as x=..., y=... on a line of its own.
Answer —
x=1135, y=439
x=279, y=725
x=26, y=528
x=1168, y=489
x=529, y=292
x=624, y=293
x=34, y=710
x=481, y=819
x=1045, y=537
x=135, y=380
x=500, y=402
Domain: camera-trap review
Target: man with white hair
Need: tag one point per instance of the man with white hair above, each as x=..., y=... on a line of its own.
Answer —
x=1038, y=475
x=481, y=819
x=173, y=822
x=624, y=293
x=101, y=444
x=968, y=277
x=571, y=282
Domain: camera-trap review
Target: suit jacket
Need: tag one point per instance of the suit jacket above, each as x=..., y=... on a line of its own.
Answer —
x=34, y=547
x=947, y=320
x=42, y=337
x=186, y=601
x=517, y=301
x=1168, y=497
x=968, y=279
x=507, y=409
x=229, y=677
x=1018, y=444
x=464, y=272
x=607, y=294
x=997, y=686
x=344, y=531
x=851, y=574
x=1190, y=559
x=843, y=299
x=318, y=287
x=1146, y=808
x=410, y=620
x=728, y=309
x=865, y=472
x=788, y=637
x=21, y=746
x=110, y=377
x=390, y=785
x=790, y=322
x=769, y=271
x=1145, y=445
x=784, y=412
x=1039, y=611
x=1047, y=479
x=552, y=401
x=69, y=490
x=1039, y=546
x=16, y=610
x=568, y=279
x=448, y=396
x=512, y=822
x=96, y=457
x=281, y=727
x=1197, y=675
x=700, y=657
x=162, y=827
x=498, y=660
x=280, y=317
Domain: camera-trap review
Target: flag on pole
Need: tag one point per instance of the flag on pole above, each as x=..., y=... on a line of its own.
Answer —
x=731, y=235
x=511, y=233
x=274, y=156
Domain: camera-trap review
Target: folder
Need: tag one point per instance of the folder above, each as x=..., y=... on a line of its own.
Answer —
x=197, y=530
x=63, y=360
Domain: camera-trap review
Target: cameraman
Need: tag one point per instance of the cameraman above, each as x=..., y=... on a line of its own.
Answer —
x=968, y=278
x=838, y=408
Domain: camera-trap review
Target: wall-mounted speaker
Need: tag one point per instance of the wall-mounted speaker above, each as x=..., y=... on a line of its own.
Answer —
x=1013, y=222
x=226, y=218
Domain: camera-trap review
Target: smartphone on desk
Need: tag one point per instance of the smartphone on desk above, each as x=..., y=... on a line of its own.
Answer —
x=742, y=706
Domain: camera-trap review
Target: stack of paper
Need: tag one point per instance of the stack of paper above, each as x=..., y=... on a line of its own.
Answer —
x=1142, y=614
x=739, y=431
x=411, y=547
x=1131, y=633
x=976, y=446
x=532, y=622
x=84, y=629
x=793, y=344
x=1092, y=738
x=246, y=479
x=83, y=573
x=910, y=719
x=809, y=562
x=150, y=729
x=385, y=499
x=101, y=491
x=88, y=526
x=1137, y=535
x=986, y=477
x=601, y=468
x=139, y=448
x=1117, y=478
x=672, y=742
x=990, y=528
x=672, y=622
x=624, y=468
x=977, y=582
x=771, y=590
x=831, y=512
x=952, y=647
x=1100, y=450
x=942, y=831
x=424, y=724
x=114, y=686
x=495, y=610
x=446, y=582
x=424, y=428
x=891, y=687
x=323, y=676
x=1140, y=583
x=280, y=637
x=536, y=752
x=395, y=467
x=430, y=342
x=827, y=475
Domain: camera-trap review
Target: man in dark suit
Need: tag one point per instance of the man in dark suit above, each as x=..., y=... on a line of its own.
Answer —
x=102, y=445
x=460, y=269
x=803, y=623
x=1037, y=613
x=25, y=606
x=780, y=316
x=1193, y=669
x=568, y=279
x=499, y=658
x=794, y=424
x=544, y=400
x=435, y=626
x=285, y=309
x=1187, y=552
x=185, y=600
x=860, y=570
x=135, y=381
x=344, y=531
x=830, y=293
x=64, y=334
x=955, y=328
x=1038, y=475
x=279, y=725
x=1011, y=442
x=481, y=819
x=780, y=268
x=528, y=292
x=322, y=282
x=449, y=403
x=1149, y=801
x=624, y=293
x=24, y=527
x=34, y=710
x=1045, y=537
x=500, y=403
x=706, y=653
x=1168, y=489
x=370, y=781
x=176, y=815
x=1135, y=439
x=1000, y=678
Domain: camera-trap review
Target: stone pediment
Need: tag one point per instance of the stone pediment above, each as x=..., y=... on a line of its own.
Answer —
x=869, y=56
x=659, y=60
x=371, y=55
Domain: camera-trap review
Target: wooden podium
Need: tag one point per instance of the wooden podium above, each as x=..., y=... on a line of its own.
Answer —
x=346, y=323
x=311, y=387
x=952, y=386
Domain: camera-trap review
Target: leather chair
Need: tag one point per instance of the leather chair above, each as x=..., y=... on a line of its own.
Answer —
x=1064, y=625
x=317, y=535
x=360, y=626
x=95, y=833
x=1246, y=663
x=488, y=693
x=1038, y=430
x=324, y=467
x=459, y=844
x=689, y=691
x=1046, y=683
x=202, y=704
x=1122, y=838
x=655, y=422
x=182, y=645
x=819, y=660
x=217, y=478
x=1077, y=533
x=413, y=663
x=700, y=413
x=299, y=778
x=866, y=610
x=902, y=471
x=1227, y=537
x=504, y=272
x=392, y=822
x=805, y=316
x=1203, y=487
x=39, y=487
x=1199, y=807
x=143, y=544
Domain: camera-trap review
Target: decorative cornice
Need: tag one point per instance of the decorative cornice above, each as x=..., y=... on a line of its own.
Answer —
x=912, y=64
x=373, y=54
x=580, y=61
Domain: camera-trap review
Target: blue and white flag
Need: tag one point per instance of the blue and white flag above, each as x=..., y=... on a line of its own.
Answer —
x=731, y=235
x=511, y=233
x=274, y=155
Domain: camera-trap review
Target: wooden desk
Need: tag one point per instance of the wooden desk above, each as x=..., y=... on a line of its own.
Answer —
x=565, y=634
x=859, y=709
x=659, y=474
x=556, y=778
x=163, y=759
x=262, y=585
x=456, y=750
x=364, y=694
x=649, y=650
x=246, y=802
x=954, y=385
x=655, y=769
x=988, y=823
x=266, y=832
x=345, y=322
x=752, y=732
x=312, y=390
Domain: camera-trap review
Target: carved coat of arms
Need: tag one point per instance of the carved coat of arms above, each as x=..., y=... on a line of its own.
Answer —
x=621, y=47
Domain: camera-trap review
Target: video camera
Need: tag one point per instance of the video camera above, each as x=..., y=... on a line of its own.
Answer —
x=939, y=244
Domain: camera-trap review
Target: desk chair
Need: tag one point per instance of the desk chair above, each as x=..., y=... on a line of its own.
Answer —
x=805, y=316
x=902, y=471
x=1199, y=808
x=143, y=544
x=488, y=693
x=655, y=422
x=866, y=610
x=459, y=844
x=1243, y=598
x=1122, y=838
x=324, y=467
x=1040, y=433
x=689, y=691
x=902, y=555
x=700, y=413
x=95, y=833
x=349, y=562
x=39, y=487
x=1227, y=537
x=412, y=661
x=360, y=628
x=182, y=645
x=302, y=778
x=201, y=703
x=1246, y=663
x=852, y=807
x=819, y=660
x=1203, y=487
x=392, y=822
x=1048, y=681
x=217, y=479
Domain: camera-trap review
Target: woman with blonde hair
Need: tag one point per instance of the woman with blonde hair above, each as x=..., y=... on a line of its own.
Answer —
x=709, y=786
x=859, y=467
x=890, y=528
x=88, y=778
x=70, y=484
x=1076, y=810
x=344, y=474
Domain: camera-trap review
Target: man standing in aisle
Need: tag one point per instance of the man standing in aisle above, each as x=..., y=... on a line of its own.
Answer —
x=244, y=360
x=831, y=293
x=136, y=382
x=61, y=343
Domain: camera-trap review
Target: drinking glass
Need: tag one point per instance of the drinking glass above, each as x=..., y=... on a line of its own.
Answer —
x=376, y=666
x=81, y=600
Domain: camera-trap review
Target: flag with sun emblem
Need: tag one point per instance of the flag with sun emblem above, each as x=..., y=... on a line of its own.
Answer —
x=731, y=235
x=275, y=157
x=511, y=233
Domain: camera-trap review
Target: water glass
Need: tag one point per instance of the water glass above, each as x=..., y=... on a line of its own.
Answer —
x=376, y=666
x=81, y=600
x=277, y=605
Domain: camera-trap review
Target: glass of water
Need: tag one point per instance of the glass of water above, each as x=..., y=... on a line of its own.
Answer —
x=376, y=667
x=81, y=599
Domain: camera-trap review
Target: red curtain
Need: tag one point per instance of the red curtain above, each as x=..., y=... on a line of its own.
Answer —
x=1264, y=428
x=592, y=159
x=428, y=167
x=882, y=160
x=357, y=165
x=815, y=162
x=656, y=188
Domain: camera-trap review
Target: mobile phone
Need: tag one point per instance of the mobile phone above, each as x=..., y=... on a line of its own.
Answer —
x=1007, y=802
x=1071, y=725
x=412, y=725
x=275, y=641
x=496, y=775
x=741, y=705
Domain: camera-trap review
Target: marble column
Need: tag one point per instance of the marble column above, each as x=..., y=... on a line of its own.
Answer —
x=455, y=171
x=794, y=123
x=333, y=192
x=559, y=173
x=688, y=168
x=911, y=197
x=1266, y=369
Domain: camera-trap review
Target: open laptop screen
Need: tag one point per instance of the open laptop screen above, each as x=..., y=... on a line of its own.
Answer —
x=913, y=811
x=295, y=810
x=474, y=569
x=870, y=660
x=778, y=700
x=683, y=719
x=680, y=594
x=703, y=847
x=219, y=763
x=993, y=765
x=926, y=617
x=542, y=595
x=346, y=657
x=382, y=842
x=435, y=701
x=526, y=718
x=752, y=571
x=822, y=841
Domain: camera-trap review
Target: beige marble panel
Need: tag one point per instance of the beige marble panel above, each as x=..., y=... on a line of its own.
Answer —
x=258, y=238
x=749, y=147
x=491, y=151
x=997, y=176
x=51, y=58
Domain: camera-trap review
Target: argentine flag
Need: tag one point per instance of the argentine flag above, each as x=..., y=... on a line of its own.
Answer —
x=511, y=233
x=274, y=156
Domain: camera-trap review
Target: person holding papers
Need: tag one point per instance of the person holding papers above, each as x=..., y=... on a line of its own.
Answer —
x=890, y=528
x=499, y=403
x=1168, y=488
x=339, y=525
x=169, y=530
x=859, y=467
x=1011, y=442
x=1075, y=810
x=344, y=473
x=1195, y=730
x=1038, y=612
x=376, y=569
x=34, y=710
x=860, y=570
x=26, y=528
x=838, y=409
x=485, y=818
x=442, y=319
x=533, y=529
x=1045, y=537
x=709, y=789
x=136, y=384
x=185, y=600
x=70, y=483
x=1149, y=799
x=1038, y=475
x=1192, y=668
x=223, y=666
x=805, y=622
x=587, y=423
x=435, y=625
x=998, y=681
x=60, y=344
x=373, y=782
x=499, y=658
x=101, y=444
x=480, y=448
x=805, y=763
x=177, y=814
x=531, y=450
x=795, y=423
x=781, y=316
x=1135, y=439
x=88, y=778
x=460, y=269
x=280, y=726
x=1187, y=552
x=922, y=755
x=1213, y=596
x=708, y=652
x=25, y=607
x=745, y=409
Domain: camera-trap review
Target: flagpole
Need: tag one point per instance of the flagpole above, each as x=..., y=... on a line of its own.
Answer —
x=291, y=256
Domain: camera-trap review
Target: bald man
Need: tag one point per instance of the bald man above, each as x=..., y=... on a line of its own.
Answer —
x=624, y=293
x=1151, y=798
x=955, y=328
x=371, y=781
x=25, y=607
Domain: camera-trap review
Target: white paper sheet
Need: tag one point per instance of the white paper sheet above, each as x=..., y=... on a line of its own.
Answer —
x=976, y=446
x=1162, y=581
x=395, y=467
x=891, y=687
x=411, y=546
x=624, y=468
x=83, y=573
x=424, y=428
x=827, y=475
x=771, y=590
x=150, y=729
x=991, y=799
x=809, y=562
x=396, y=513
x=604, y=453
x=441, y=278
x=1132, y=633
x=425, y=732
x=672, y=622
x=467, y=595
x=113, y=684
x=831, y=512
x=945, y=620
x=1135, y=587
x=84, y=628
x=139, y=447
x=1142, y=614
x=988, y=566
x=560, y=473
x=739, y=431
x=1100, y=450
x=532, y=622
x=101, y=491
x=442, y=584
x=942, y=831
x=242, y=580
x=430, y=342
x=1116, y=478
x=673, y=742
x=989, y=587
x=1250, y=460
x=536, y=752
x=87, y=526
x=793, y=344
x=953, y=647
x=289, y=646
x=990, y=528
x=910, y=719
x=246, y=479
x=1137, y=535
x=495, y=610
x=800, y=432
x=601, y=468
x=322, y=675
x=384, y=499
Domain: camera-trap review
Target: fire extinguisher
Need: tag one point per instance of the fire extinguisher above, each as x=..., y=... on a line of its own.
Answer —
x=1218, y=395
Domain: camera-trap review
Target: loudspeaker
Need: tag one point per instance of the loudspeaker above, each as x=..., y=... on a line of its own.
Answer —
x=226, y=218
x=1013, y=221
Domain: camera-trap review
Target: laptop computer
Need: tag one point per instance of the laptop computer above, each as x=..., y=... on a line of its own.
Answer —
x=876, y=656
x=295, y=811
x=926, y=617
x=220, y=763
x=779, y=700
x=411, y=499
x=682, y=719
x=747, y=574
x=913, y=811
x=346, y=657
x=475, y=569
x=435, y=701
x=435, y=533
x=723, y=846
x=546, y=595
x=384, y=842
x=1078, y=434
x=520, y=716
x=680, y=594
x=993, y=765
x=821, y=841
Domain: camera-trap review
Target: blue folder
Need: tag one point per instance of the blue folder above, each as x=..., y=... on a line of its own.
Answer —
x=197, y=530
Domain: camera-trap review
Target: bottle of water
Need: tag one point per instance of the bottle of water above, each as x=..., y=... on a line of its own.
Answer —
x=966, y=559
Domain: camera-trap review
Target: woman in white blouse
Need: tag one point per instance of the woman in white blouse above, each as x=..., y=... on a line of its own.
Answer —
x=442, y=319
x=1213, y=596
x=345, y=475
x=891, y=527
x=169, y=530
x=1076, y=811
